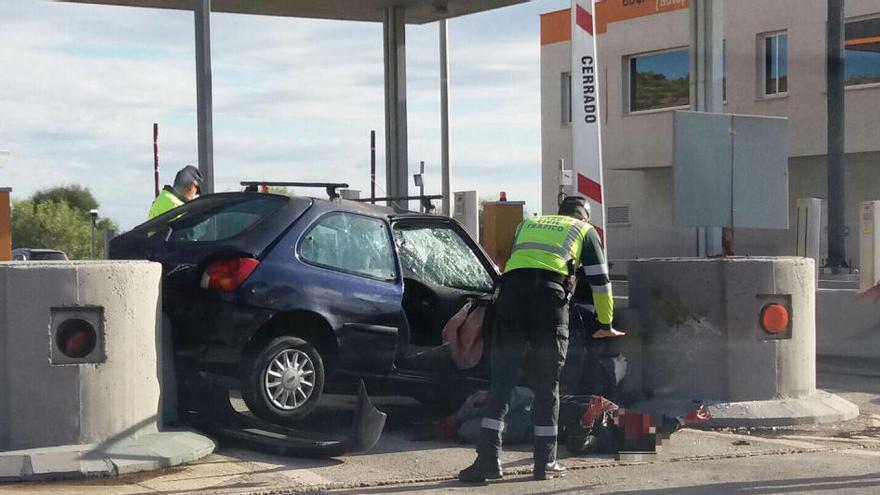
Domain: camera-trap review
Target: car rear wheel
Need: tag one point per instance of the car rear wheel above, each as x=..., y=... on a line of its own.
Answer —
x=282, y=381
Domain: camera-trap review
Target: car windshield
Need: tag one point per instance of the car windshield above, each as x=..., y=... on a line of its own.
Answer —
x=438, y=255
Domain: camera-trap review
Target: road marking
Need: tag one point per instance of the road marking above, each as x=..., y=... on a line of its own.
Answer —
x=752, y=438
x=862, y=452
x=860, y=440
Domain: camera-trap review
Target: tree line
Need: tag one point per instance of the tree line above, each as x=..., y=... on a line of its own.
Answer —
x=58, y=218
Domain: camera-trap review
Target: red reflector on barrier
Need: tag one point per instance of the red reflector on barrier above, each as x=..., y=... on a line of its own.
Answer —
x=228, y=275
x=774, y=318
x=76, y=338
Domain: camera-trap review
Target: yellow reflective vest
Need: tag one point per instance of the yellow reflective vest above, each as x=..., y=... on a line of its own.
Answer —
x=165, y=201
x=551, y=242
x=556, y=243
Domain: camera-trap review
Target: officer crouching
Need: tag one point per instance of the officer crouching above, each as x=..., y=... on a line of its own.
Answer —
x=532, y=312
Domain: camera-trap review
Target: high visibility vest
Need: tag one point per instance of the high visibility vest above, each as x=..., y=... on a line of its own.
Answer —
x=166, y=200
x=551, y=242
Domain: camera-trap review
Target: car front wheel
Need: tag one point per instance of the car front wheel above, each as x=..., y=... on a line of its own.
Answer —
x=282, y=382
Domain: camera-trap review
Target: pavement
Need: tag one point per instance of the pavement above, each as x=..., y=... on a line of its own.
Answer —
x=119, y=456
x=843, y=458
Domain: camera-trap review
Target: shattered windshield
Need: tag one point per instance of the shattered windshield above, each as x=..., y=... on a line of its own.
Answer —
x=438, y=255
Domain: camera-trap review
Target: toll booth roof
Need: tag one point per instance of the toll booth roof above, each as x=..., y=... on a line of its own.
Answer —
x=417, y=11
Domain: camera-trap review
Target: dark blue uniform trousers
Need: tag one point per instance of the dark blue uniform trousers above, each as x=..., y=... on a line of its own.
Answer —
x=531, y=322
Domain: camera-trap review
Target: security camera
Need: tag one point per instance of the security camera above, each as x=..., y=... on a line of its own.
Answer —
x=93, y=213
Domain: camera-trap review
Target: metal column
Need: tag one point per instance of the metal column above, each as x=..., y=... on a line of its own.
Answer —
x=836, y=137
x=397, y=169
x=706, y=85
x=204, y=94
x=444, y=119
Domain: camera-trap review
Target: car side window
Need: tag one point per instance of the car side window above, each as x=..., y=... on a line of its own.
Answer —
x=350, y=243
x=438, y=255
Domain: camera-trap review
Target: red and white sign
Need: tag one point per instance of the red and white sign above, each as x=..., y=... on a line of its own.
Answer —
x=586, y=136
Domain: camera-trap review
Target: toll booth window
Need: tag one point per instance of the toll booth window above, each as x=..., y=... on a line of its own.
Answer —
x=862, y=62
x=350, y=243
x=565, y=91
x=438, y=255
x=775, y=54
x=659, y=80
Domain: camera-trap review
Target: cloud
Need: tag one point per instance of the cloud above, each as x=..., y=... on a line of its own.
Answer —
x=294, y=99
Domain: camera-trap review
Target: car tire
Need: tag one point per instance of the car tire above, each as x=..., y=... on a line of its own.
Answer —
x=283, y=380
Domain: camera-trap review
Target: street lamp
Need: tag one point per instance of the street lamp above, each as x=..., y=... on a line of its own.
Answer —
x=94, y=215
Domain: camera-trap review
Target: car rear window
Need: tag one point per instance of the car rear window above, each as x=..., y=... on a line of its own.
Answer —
x=214, y=219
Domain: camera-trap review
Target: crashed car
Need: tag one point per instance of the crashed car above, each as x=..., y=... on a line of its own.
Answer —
x=295, y=296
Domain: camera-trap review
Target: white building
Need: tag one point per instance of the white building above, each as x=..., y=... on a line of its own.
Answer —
x=775, y=65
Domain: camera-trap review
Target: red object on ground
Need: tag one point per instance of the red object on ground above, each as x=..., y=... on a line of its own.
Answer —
x=597, y=408
x=448, y=427
x=698, y=415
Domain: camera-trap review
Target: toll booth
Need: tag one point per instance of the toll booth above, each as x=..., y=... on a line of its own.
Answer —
x=869, y=244
x=500, y=220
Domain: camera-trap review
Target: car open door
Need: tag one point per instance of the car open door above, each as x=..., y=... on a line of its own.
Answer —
x=442, y=267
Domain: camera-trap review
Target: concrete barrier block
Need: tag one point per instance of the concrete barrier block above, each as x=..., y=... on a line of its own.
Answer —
x=701, y=330
x=847, y=327
x=47, y=404
x=37, y=416
x=13, y=467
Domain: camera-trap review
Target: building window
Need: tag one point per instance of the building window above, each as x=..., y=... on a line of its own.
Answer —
x=659, y=80
x=566, y=98
x=775, y=63
x=862, y=63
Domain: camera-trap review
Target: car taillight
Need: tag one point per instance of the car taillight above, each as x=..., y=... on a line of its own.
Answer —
x=227, y=275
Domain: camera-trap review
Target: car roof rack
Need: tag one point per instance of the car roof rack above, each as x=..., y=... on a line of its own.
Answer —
x=330, y=187
x=425, y=200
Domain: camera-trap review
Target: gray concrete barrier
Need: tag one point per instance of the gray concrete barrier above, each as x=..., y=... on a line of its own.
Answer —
x=79, y=366
x=846, y=326
x=701, y=338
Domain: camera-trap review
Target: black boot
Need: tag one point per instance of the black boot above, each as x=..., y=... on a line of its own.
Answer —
x=549, y=470
x=482, y=469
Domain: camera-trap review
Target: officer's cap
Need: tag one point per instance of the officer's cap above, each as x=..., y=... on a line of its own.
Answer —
x=576, y=207
x=188, y=175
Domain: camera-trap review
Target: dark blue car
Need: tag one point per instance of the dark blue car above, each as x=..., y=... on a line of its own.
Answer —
x=297, y=295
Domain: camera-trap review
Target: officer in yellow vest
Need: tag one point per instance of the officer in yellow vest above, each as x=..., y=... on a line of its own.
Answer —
x=187, y=185
x=532, y=311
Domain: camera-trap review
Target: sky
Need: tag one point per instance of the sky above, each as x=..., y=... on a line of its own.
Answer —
x=294, y=100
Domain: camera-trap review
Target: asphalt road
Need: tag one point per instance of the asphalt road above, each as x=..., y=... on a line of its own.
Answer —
x=843, y=472
x=841, y=458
